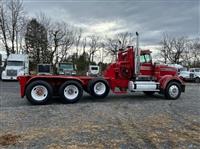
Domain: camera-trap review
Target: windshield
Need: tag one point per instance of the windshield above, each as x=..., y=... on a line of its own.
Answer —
x=145, y=58
x=66, y=66
x=94, y=68
x=15, y=63
x=183, y=69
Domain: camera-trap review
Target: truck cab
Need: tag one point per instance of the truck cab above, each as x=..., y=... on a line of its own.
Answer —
x=67, y=69
x=16, y=65
x=93, y=70
x=153, y=71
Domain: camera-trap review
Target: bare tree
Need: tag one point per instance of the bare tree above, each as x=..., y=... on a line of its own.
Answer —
x=11, y=19
x=166, y=47
x=195, y=48
x=68, y=43
x=188, y=56
x=15, y=9
x=3, y=26
x=120, y=41
x=20, y=36
x=173, y=49
x=94, y=46
x=77, y=40
x=125, y=39
x=84, y=44
x=103, y=53
x=56, y=39
x=44, y=20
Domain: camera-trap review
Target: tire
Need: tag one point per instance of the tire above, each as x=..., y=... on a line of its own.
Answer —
x=71, y=92
x=197, y=80
x=173, y=91
x=149, y=93
x=39, y=92
x=98, y=88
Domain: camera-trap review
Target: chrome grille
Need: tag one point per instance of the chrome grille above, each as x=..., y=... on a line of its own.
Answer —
x=11, y=72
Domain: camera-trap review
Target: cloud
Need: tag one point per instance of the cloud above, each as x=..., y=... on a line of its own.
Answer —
x=104, y=28
x=150, y=18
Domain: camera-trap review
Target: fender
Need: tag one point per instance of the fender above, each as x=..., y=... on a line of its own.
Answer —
x=167, y=78
x=26, y=80
x=22, y=81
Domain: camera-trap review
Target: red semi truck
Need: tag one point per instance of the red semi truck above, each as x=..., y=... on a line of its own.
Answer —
x=133, y=71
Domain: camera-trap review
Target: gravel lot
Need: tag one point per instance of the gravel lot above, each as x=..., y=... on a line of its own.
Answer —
x=125, y=121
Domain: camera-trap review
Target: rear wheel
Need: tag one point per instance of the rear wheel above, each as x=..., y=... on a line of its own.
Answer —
x=173, y=90
x=39, y=92
x=149, y=93
x=98, y=88
x=71, y=92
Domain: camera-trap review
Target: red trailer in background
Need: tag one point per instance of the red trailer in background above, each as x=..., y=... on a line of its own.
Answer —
x=133, y=71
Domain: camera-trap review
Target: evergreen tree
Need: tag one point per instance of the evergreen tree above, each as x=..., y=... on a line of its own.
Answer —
x=37, y=43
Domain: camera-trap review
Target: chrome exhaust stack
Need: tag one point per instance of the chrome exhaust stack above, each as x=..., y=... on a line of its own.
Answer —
x=137, y=57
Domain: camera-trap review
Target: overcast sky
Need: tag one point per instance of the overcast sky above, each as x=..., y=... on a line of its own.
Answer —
x=151, y=18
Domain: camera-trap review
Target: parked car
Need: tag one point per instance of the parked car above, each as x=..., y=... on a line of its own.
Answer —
x=195, y=74
x=185, y=75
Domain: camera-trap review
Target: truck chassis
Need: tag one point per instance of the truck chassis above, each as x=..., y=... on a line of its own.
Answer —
x=123, y=75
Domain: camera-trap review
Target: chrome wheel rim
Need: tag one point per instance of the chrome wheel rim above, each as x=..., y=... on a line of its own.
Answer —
x=99, y=88
x=71, y=92
x=39, y=93
x=173, y=91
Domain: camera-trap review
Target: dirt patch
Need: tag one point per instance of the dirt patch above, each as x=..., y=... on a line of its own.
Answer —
x=75, y=146
x=160, y=129
x=9, y=139
x=55, y=146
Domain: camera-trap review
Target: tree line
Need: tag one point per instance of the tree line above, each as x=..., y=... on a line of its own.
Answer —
x=180, y=50
x=47, y=41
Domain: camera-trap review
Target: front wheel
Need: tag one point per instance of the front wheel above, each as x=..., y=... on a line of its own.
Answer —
x=39, y=92
x=71, y=92
x=173, y=90
x=98, y=88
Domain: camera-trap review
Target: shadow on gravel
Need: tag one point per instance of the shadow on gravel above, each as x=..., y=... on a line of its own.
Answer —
x=114, y=98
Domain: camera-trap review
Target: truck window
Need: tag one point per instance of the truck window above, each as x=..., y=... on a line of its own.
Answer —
x=147, y=58
x=94, y=68
x=15, y=63
x=142, y=59
x=197, y=70
x=66, y=67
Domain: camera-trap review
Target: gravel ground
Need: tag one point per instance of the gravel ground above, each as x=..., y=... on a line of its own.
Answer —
x=125, y=121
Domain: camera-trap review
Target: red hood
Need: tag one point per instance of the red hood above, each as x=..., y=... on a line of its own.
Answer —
x=168, y=70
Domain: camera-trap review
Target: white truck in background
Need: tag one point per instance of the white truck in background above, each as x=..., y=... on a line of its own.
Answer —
x=16, y=65
x=94, y=70
x=67, y=68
